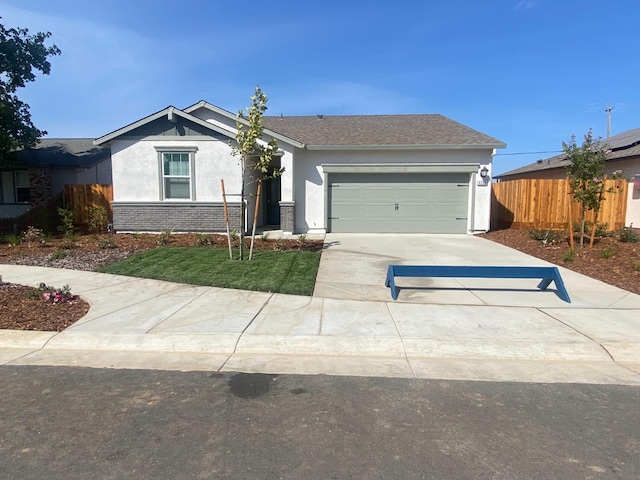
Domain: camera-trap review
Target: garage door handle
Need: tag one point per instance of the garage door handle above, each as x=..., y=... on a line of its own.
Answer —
x=461, y=218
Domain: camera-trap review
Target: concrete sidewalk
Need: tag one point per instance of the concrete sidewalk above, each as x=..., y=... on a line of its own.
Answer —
x=142, y=323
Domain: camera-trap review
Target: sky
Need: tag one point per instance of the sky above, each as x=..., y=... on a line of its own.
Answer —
x=530, y=73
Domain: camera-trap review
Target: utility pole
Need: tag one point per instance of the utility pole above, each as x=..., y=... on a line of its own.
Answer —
x=608, y=110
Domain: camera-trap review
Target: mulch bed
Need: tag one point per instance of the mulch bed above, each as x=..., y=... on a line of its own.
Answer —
x=621, y=269
x=24, y=309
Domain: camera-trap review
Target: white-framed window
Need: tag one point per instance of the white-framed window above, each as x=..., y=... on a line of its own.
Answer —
x=177, y=173
x=23, y=186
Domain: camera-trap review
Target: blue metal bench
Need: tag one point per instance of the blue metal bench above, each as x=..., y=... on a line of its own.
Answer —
x=547, y=274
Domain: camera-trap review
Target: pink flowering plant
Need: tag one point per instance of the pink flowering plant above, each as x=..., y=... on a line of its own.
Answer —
x=56, y=295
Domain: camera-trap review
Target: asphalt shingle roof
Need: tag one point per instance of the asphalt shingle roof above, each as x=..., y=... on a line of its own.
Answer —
x=378, y=130
x=623, y=145
x=63, y=152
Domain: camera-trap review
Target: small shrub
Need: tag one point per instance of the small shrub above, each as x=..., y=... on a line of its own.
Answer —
x=107, y=243
x=636, y=266
x=547, y=237
x=629, y=235
x=12, y=239
x=279, y=246
x=602, y=230
x=569, y=255
x=66, y=227
x=265, y=237
x=55, y=295
x=98, y=220
x=164, y=238
x=33, y=235
x=202, y=239
x=607, y=252
x=233, y=234
x=59, y=255
x=302, y=238
x=68, y=244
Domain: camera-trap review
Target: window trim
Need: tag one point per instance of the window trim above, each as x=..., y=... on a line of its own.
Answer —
x=16, y=186
x=192, y=171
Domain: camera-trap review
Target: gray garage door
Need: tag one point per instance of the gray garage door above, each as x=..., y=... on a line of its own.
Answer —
x=398, y=202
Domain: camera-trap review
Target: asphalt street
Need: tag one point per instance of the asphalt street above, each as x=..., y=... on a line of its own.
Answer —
x=79, y=423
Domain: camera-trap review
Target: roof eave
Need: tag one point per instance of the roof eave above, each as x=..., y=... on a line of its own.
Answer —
x=170, y=112
x=236, y=118
x=478, y=146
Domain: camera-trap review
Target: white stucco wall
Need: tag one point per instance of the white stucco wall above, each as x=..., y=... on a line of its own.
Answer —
x=310, y=191
x=136, y=169
x=633, y=208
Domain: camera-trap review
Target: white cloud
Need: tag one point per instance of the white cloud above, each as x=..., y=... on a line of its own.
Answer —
x=105, y=77
x=525, y=4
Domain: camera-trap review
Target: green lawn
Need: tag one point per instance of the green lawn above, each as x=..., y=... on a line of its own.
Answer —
x=292, y=272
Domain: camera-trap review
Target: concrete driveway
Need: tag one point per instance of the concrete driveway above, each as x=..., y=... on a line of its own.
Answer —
x=354, y=267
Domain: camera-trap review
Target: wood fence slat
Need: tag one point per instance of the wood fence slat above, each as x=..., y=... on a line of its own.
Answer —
x=545, y=203
x=79, y=198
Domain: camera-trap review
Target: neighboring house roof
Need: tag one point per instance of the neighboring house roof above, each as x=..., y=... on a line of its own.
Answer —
x=424, y=130
x=624, y=145
x=342, y=131
x=63, y=152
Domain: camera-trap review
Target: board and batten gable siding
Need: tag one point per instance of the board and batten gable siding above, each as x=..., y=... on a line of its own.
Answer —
x=310, y=180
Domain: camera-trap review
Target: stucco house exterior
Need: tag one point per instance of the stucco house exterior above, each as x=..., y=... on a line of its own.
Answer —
x=33, y=176
x=624, y=156
x=359, y=173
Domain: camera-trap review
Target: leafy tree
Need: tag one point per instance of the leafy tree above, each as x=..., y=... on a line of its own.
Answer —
x=21, y=55
x=585, y=172
x=254, y=154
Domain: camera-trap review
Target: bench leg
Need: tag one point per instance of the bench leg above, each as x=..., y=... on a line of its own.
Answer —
x=390, y=282
x=560, y=288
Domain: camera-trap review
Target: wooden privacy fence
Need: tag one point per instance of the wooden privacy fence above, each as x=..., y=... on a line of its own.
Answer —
x=44, y=217
x=79, y=198
x=544, y=204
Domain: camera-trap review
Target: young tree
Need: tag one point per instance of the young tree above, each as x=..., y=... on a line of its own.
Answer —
x=20, y=55
x=254, y=154
x=586, y=174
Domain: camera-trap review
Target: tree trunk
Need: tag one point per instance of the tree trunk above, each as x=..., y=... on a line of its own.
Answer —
x=242, y=210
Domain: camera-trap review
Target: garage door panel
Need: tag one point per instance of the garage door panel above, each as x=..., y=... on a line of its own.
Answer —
x=380, y=225
x=379, y=211
x=378, y=194
x=399, y=203
x=347, y=226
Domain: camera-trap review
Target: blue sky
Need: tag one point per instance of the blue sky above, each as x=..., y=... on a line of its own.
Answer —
x=528, y=72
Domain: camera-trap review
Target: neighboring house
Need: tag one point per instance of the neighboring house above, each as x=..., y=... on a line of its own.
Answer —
x=368, y=173
x=33, y=176
x=624, y=156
